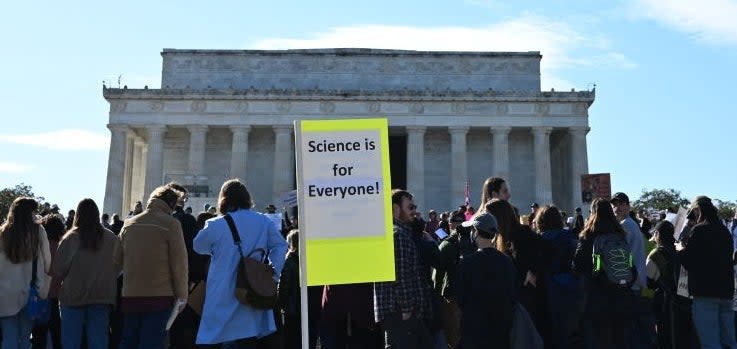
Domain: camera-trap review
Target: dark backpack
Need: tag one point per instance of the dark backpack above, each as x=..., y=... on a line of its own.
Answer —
x=612, y=259
x=562, y=279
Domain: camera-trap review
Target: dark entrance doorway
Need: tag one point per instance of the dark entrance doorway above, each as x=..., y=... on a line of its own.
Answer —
x=398, y=160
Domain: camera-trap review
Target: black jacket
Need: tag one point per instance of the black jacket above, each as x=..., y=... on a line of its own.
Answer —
x=197, y=262
x=708, y=260
x=487, y=289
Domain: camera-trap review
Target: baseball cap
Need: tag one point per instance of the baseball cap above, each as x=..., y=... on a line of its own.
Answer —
x=620, y=197
x=484, y=222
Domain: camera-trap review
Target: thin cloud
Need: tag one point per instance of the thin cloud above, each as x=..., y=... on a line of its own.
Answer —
x=712, y=21
x=15, y=168
x=561, y=45
x=62, y=140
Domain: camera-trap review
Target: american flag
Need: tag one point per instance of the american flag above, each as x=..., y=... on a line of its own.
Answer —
x=466, y=193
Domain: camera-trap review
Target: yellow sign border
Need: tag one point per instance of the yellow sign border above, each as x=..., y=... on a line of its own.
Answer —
x=350, y=260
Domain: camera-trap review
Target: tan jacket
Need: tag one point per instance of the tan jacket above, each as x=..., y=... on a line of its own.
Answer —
x=154, y=256
x=15, y=279
x=89, y=277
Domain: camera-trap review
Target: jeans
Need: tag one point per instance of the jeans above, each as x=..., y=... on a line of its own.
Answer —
x=93, y=319
x=714, y=321
x=144, y=330
x=16, y=331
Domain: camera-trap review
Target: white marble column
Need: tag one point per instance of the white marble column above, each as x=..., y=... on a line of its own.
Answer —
x=416, y=164
x=500, y=152
x=139, y=172
x=283, y=162
x=197, y=149
x=239, y=151
x=128, y=175
x=543, y=186
x=154, y=159
x=115, y=169
x=579, y=163
x=458, y=164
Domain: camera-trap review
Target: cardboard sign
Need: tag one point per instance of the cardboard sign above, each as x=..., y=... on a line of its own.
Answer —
x=595, y=186
x=344, y=193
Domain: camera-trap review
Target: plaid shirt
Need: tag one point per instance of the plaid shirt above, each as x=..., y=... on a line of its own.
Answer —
x=404, y=295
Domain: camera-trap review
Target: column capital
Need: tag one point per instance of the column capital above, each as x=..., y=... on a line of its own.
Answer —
x=155, y=128
x=197, y=128
x=579, y=130
x=240, y=128
x=416, y=129
x=118, y=128
x=282, y=129
x=500, y=130
x=155, y=132
x=458, y=129
x=542, y=130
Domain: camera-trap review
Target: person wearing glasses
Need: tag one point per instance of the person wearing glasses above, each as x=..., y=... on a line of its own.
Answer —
x=399, y=305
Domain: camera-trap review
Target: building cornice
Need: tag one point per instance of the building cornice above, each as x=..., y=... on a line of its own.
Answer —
x=111, y=94
x=350, y=52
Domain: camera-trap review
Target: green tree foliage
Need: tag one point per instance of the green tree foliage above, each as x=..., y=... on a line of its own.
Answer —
x=7, y=195
x=660, y=199
x=726, y=208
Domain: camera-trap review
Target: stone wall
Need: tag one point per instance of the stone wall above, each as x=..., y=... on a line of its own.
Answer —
x=351, y=69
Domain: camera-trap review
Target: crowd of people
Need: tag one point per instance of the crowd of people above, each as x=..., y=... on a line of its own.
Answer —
x=467, y=278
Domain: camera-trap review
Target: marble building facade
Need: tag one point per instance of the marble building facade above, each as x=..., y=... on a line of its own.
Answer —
x=453, y=116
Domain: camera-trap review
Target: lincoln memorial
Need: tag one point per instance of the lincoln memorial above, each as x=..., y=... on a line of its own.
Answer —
x=454, y=117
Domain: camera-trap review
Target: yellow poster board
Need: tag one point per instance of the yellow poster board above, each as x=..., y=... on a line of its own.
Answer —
x=344, y=194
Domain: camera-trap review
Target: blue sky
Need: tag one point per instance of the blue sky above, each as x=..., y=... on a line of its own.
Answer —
x=664, y=71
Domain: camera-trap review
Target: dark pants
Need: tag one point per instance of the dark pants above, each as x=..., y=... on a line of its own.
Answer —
x=564, y=321
x=272, y=341
x=608, y=318
x=663, y=308
x=144, y=330
x=183, y=334
x=405, y=334
x=683, y=327
x=338, y=335
x=642, y=332
x=116, y=318
x=292, y=331
x=247, y=343
x=53, y=326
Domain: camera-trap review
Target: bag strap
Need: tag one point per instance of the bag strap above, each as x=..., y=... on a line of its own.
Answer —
x=234, y=233
x=237, y=240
